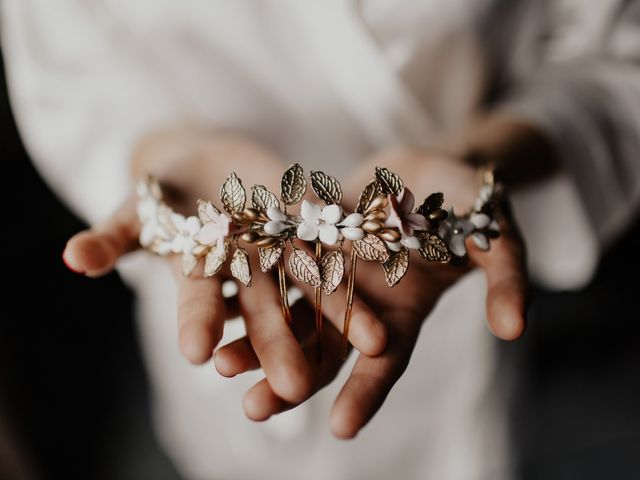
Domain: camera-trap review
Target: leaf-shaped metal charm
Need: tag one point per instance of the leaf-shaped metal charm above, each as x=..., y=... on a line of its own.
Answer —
x=269, y=256
x=164, y=219
x=304, y=268
x=326, y=187
x=431, y=203
x=371, y=248
x=261, y=198
x=433, y=248
x=389, y=182
x=396, y=266
x=332, y=270
x=205, y=211
x=293, y=185
x=240, y=266
x=189, y=262
x=232, y=194
x=370, y=192
x=214, y=260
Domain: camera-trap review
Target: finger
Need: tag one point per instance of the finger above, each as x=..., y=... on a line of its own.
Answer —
x=235, y=358
x=238, y=357
x=373, y=377
x=201, y=313
x=507, y=284
x=273, y=341
x=94, y=252
x=366, y=332
x=261, y=402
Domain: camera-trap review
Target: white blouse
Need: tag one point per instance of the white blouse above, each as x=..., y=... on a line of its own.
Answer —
x=325, y=84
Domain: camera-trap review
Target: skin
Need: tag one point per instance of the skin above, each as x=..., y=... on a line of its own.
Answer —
x=192, y=164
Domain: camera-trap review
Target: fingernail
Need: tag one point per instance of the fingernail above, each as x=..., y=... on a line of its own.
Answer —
x=71, y=267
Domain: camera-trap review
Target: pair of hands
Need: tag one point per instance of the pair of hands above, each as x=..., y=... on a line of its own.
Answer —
x=385, y=324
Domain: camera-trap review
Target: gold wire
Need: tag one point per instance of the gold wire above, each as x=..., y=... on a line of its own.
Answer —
x=284, y=297
x=318, y=308
x=347, y=312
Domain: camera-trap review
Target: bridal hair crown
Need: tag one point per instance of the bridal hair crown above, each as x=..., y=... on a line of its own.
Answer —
x=384, y=227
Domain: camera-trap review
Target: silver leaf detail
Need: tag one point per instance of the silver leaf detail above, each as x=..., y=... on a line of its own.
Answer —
x=240, y=268
x=232, y=194
x=326, y=188
x=332, y=270
x=305, y=268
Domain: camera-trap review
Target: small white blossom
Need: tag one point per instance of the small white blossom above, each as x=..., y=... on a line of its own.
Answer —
x=187, y=228
x=319, y=223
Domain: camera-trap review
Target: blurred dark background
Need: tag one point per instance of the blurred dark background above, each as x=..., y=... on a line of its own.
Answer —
x=74, y=399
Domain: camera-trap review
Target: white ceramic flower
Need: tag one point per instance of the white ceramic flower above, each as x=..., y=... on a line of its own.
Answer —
x=319, y=223
x=350, y=226
x=278, y=221
x=151, y=230
x=215, y=229
x=187, y=228
x=455, y=230
x=402, y=217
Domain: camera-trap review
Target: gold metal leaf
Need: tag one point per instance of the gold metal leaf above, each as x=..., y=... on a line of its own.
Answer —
x=326, y=187
x=261, y=198
x=389, y=181
x=433, y=248
x=293, y=185
x=370, y=192
x=232, y=194
x=269, y=256
x=240, y=268
x=332, y=270
x=396, y=266
x=371, y=249
x=189, y=262
x=214, y=260
x=431, y=203
x=205, y=208
x=305, y=268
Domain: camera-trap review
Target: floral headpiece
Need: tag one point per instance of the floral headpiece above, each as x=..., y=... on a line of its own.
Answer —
x=384, y=227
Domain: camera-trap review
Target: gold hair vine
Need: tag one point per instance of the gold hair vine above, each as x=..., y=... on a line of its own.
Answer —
x=383, y=228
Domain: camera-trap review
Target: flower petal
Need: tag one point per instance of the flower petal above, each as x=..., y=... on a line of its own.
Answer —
x=307, y=231
x=416, y=221
x=177, y=243
x=456, y=245
x=275, y=227
x=352, y=233
x=410, y=242
x=480, y=220
x=163, y=248
x=310, y=211
x=329, y=234
x=276, y=214
x=353, y=220
x=331, y=214
x=209, y=234
x=394, y=246
x=178, y=220
x=481, y=241
x=192, y=225
x=147, y=234
x=407, y=201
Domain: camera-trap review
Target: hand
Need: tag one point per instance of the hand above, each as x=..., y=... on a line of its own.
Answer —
x=404, y=310
x=191, y=166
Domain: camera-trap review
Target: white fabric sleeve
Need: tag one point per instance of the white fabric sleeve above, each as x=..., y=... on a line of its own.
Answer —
x=81, y=99
x=586, y=98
